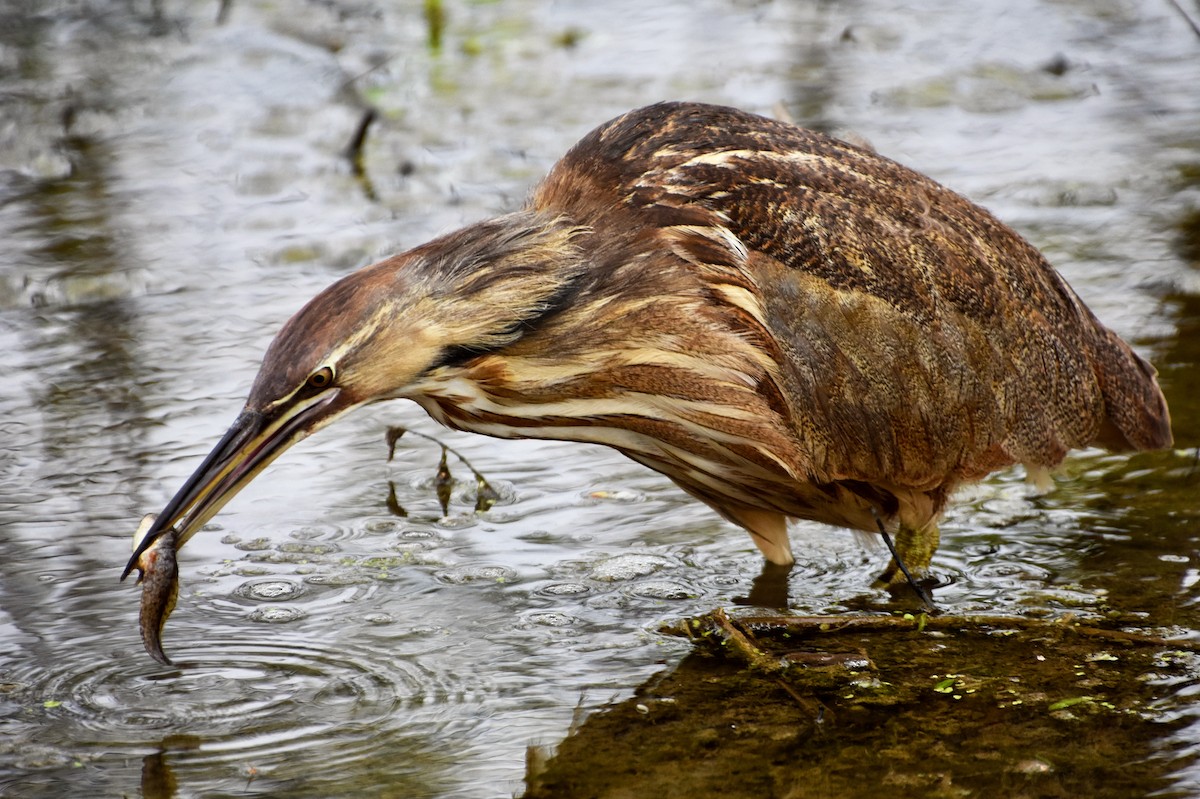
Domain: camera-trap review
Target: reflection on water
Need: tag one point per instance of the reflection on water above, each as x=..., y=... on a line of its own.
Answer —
x=172, y=189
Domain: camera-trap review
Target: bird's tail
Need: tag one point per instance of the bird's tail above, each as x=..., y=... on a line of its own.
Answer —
x=1136, y=414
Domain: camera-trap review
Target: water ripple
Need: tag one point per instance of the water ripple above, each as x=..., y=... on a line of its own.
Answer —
x=237, y=701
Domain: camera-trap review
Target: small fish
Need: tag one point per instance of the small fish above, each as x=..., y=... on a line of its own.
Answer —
x=158, y=574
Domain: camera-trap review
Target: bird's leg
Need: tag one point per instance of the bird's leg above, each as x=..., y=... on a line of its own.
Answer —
x=767, y=528
x=913, y=547
x=769, y=531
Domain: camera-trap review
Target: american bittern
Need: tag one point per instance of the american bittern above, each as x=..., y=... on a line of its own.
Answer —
x=785, y=325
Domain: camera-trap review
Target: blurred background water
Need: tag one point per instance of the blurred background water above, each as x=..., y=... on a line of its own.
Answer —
x=173, y=185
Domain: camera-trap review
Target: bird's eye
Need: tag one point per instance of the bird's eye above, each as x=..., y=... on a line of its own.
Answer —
x=322, y=378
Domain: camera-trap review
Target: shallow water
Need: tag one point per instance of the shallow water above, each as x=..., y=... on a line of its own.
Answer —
x=172, y=189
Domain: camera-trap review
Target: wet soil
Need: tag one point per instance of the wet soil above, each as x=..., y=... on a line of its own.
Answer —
x=829, y=709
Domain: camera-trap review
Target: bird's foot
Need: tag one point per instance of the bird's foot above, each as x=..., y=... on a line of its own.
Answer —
x=913, y=548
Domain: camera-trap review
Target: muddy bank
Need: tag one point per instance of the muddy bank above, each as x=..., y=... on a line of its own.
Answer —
x=849, y=707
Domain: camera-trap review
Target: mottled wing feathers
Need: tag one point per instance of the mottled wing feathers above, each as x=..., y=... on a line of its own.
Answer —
x=919, y=338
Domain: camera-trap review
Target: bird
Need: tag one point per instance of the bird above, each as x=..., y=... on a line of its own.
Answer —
x=786, y=325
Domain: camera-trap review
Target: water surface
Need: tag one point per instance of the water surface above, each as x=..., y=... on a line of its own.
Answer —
x=172, y=188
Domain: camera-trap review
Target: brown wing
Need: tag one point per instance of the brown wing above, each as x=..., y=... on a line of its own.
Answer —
x=920, y=341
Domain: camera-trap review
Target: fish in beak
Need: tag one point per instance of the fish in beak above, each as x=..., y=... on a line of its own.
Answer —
x=254, y=441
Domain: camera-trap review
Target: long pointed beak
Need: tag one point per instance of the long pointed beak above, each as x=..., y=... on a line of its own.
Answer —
x=254, y=440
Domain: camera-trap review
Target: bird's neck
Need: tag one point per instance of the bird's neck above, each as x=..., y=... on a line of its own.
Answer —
x=629, y=356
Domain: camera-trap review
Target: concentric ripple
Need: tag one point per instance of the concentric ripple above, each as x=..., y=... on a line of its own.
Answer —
x=224, y=683
x=238, y=701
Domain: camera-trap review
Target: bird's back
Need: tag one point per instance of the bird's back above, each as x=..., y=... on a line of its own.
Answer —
x=919, y=342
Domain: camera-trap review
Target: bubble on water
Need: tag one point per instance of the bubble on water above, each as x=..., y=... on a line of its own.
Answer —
x=253, y=545
x=550, y=619
x=277, y=615
x=564, y=589
x=298, y=548
x=381, y=526
x=308, y=534
x=611, y=600
x=412, y=546
x=379, y=618
x=662, y=589
x=269, y=590
x=477, y=573
x=628, y=567
x=339, y=578
x=382, y=562
x=245, y=569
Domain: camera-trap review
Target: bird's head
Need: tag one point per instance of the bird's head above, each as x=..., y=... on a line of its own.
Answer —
x=380, y=333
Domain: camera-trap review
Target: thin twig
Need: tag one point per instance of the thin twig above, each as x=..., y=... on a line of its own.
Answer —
x=919, y=589
x=486, y=496
x=354, y=151
x=811, y=705
x=444, y=483
x=740, y=641
x=833, y=625
x=1186, y=16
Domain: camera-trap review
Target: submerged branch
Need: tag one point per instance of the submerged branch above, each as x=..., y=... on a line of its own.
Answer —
x=741, y=634
x=354, y=151
x=1186, y=16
